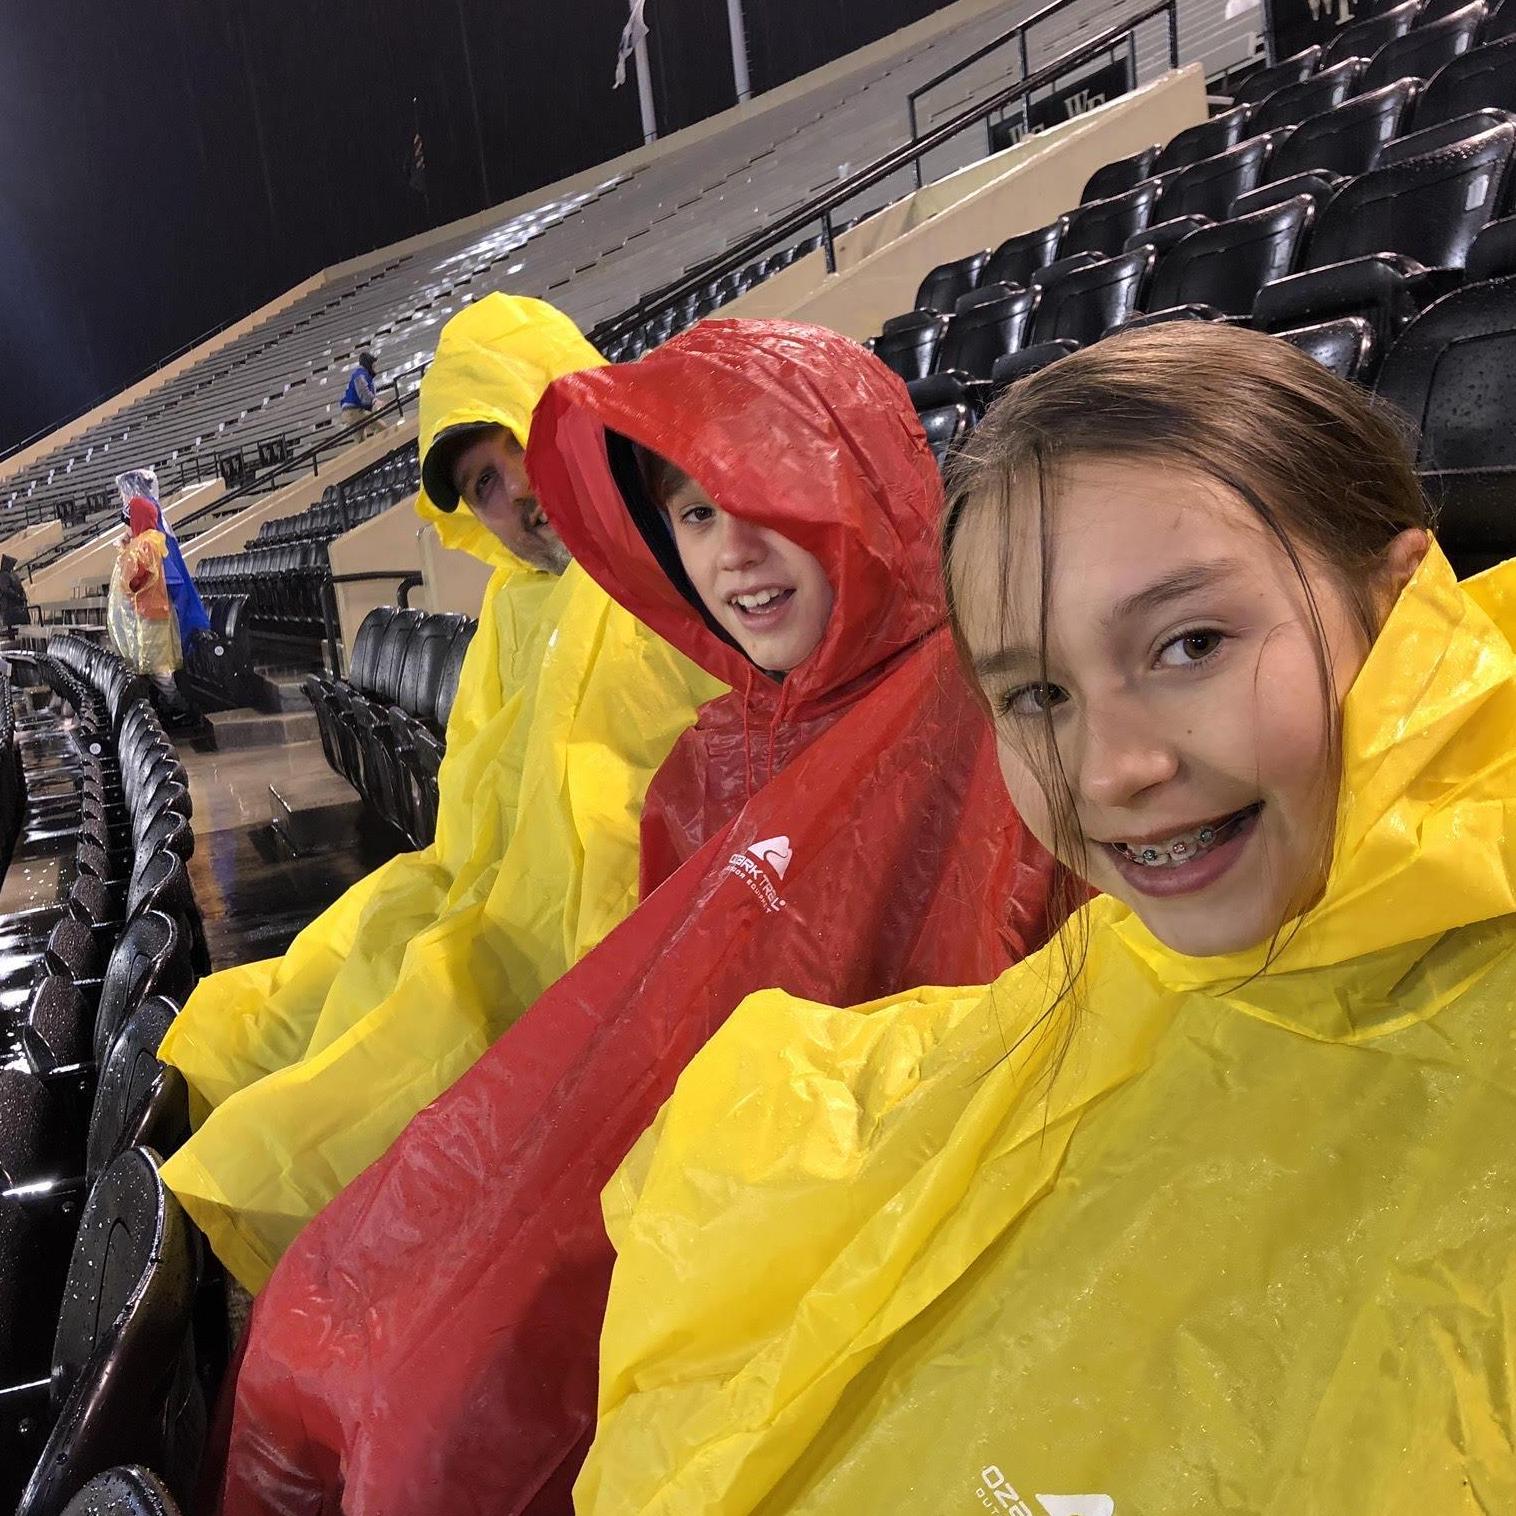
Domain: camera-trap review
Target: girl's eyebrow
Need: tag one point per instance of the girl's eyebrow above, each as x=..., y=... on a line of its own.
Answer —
x=1185, y=579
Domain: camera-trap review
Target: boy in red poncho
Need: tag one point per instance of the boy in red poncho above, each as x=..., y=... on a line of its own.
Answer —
x=429, y=1343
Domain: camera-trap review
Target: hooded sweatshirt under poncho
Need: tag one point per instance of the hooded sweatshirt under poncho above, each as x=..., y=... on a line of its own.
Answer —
x=1224, y=1234
x=314, y=1062
x=429, y=1344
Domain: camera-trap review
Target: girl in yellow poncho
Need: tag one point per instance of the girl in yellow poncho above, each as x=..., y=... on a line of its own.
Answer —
x=1208, y=1207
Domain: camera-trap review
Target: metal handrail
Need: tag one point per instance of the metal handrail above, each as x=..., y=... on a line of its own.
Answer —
x=820, y=207
x=1017, y=33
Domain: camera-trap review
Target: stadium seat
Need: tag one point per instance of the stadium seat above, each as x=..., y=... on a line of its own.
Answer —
x=1347, y=346
x=1028, y=361
x=1102, y=227
x=943, y=286
x=1273, y=78
x=1318, y=188
x=1426, y=48
x=989, y=321
x=1323, y=91
x=1493, y=255
x=1119, y=176
x=1453, y=374
x=1209, y=187
x=130, y=1491
x=946, y=426
x=1205, y=140
x=911, y=348
x=1083, y=304
x=139, y=1102
x=1167, y=234
x=1218, y=271
x=1344, y=140
x=1429, y=139
x=123, y=1387
x=1019, y=257
x=151, y=958
x=1483, y=78
x=1394, y=238
x=1362, y=39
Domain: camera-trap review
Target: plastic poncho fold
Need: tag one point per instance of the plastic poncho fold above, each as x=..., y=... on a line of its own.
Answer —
x=1230, y=1235
x=311, y=1064
x=429, y=1344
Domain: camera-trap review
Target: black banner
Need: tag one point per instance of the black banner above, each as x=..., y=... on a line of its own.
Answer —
x=1065, y=102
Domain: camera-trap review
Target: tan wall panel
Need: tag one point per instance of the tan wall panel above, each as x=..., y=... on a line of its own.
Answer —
x=26, y=544
x=388, y=542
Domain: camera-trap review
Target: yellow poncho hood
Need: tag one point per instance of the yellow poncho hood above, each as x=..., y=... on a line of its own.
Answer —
x=1222, y=1234
x=305, y=1068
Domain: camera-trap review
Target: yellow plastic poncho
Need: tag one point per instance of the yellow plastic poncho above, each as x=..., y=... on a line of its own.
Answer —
x=141, y=621
x=305, y=1068
x=1230, y=1237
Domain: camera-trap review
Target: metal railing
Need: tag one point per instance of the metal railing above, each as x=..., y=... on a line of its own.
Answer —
x=820, y=207
x=1019, y=34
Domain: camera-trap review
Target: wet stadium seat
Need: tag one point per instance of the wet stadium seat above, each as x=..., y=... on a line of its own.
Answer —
x=1346, y=346
x=988, y=321
x=1118, y=177
x=1205, y=140
x=1344, y=140
x=943, y=286
x=1103, y=226
x=1483, y=78
x=1426, y=48
x=1271, y=79
x=911, y=348
x=1362, y=39
x=1019, y=257
x=1323, y=91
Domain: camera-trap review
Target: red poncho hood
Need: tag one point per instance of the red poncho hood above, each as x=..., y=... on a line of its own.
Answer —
x=428, y=1345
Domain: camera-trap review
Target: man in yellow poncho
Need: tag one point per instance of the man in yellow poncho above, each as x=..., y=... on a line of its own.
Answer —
x=310, y=1065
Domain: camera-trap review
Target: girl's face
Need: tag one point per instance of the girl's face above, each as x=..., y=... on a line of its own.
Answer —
x=768, y=592
x=1184, y=681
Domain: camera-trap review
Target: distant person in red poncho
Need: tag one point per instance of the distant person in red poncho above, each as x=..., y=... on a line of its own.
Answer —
x=762, y=496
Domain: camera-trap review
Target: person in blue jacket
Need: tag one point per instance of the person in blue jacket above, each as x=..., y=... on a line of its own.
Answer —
x=189, y=609
x=358, y=398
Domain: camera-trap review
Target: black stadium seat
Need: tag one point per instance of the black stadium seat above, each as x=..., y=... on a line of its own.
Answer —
x=1344, y=141
x=1103, y=226
x=1483, y=78
x=1423, y=50
x=1119, y=176
x=1319, y=188
x=1362, y=39
x=1219, y=271
x=1429, y=139
x=1493, y=255
x=1209, y=187
x=1323, y=91
x=1453, y=374
x=911, y=348
x=123, y=1384
x=1376, y=247
x=989, y=321
x=1019, y=257
x=130, y=1491
x=1205, y=140
x=1083, y=304
x=1347, y=346
x=1269, y=81
x=140, y=1102
x=946, y=426
x=941, y=288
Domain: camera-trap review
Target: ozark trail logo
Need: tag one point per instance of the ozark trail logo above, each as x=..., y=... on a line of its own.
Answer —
x=996, y=1493
x=775, y=854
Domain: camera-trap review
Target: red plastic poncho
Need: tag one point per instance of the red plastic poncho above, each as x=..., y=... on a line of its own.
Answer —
x=429, y=1343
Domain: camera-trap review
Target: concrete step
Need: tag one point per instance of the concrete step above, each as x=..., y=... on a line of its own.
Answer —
x=239, y=729
x=315, y=812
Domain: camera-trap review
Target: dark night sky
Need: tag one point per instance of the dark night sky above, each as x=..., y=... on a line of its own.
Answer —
x=169, y=165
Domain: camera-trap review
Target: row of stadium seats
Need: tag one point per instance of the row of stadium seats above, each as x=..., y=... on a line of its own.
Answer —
x=383, y=727
x=709, y=299
x=1387, y=251
x=282, y=585
x=112, y=1329
x=342, y=506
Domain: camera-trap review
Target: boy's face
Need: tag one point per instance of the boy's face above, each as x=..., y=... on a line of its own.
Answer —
x=771, y=595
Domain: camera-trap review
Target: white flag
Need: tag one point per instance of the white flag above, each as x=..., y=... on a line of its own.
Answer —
x=632, y=33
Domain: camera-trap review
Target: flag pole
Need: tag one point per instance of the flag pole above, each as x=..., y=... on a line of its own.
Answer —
x=738, y=29
x=644, y=83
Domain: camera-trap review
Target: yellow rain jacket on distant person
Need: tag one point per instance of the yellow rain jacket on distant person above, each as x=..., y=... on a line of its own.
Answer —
x=310, y=1065
x=1228, y=1236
